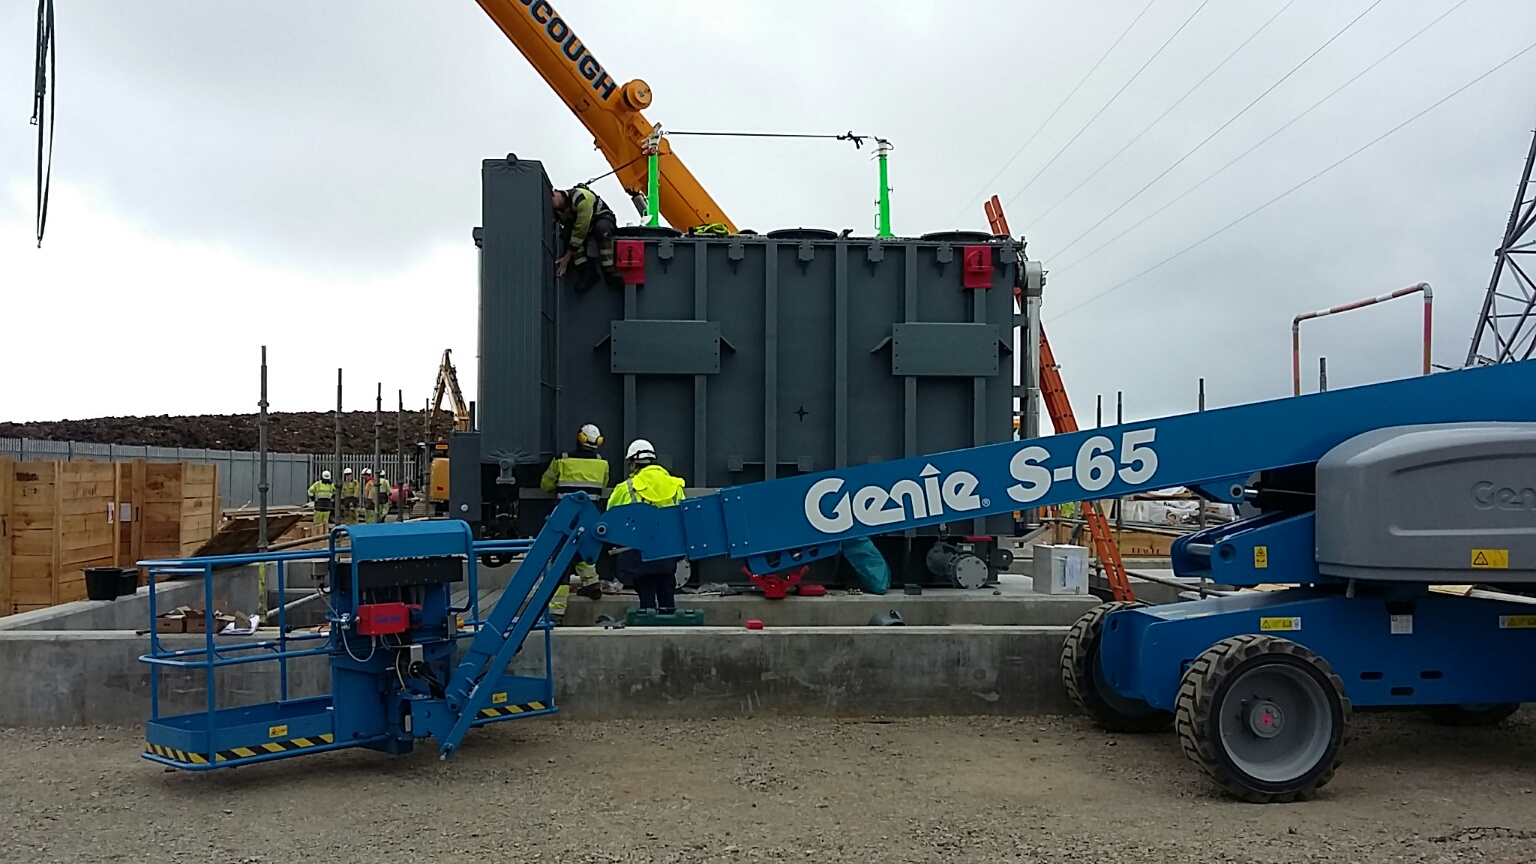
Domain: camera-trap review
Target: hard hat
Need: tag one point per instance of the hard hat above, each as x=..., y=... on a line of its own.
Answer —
x=367, y=470
x=589, y=436
x=346, y=471
x=640, y=449
x=325, y=475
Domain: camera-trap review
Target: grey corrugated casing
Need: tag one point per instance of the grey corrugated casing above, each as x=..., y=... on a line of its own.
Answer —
x=746, y=357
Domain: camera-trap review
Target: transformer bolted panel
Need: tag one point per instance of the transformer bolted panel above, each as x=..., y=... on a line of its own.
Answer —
x=745, y=357
x=517, y=284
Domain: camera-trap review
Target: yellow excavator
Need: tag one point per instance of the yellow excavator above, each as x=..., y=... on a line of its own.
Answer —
x=463, y=420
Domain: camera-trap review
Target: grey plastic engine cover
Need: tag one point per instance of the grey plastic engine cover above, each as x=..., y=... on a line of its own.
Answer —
x=1437, y=503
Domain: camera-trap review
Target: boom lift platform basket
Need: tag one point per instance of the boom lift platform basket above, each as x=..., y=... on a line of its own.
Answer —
x=394, y=647
x=1362, y=498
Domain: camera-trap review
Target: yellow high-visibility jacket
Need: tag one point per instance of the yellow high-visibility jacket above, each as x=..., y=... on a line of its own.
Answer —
x=650, y=485
x=571, y=473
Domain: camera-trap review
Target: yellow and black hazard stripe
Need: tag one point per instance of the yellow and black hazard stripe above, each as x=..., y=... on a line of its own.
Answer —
x=509, y=710
x=190, y=758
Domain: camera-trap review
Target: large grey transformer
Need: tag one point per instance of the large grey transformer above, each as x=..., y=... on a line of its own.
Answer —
x=1443, y=503
x=745, y=357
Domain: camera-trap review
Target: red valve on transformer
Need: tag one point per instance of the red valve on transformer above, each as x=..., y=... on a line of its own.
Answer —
x=976, y=267
x=629, y=260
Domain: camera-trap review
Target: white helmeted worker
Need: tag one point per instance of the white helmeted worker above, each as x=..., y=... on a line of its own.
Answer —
x=648, y=483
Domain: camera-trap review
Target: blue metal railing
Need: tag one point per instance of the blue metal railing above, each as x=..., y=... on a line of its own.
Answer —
x=213, y=656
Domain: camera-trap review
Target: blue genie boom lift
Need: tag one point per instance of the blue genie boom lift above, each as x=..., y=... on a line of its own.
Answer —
x=1360, y=498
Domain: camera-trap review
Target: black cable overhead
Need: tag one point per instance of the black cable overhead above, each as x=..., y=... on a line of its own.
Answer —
x=1111, y=101
x=1223, y=126
x=1240, y=156
x=1373, y=142
x=967, y=205
x=858, y=140
x=1187, y=93
x=42, y=110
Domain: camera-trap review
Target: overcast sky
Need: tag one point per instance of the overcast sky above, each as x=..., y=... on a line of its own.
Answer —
x=305, y=175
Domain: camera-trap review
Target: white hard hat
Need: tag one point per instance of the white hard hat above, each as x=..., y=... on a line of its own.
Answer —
x=325, y=475
x=640, y=448
x=367, y=470
x=346, y=471
x=589, y=435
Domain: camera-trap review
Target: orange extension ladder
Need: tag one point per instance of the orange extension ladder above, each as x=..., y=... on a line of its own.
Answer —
x=1054, y=393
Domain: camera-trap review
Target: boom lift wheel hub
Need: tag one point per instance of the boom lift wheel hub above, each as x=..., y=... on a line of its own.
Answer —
x=1265, y=717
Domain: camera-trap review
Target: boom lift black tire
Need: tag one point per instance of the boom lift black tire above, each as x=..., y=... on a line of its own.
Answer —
x=1468, y=716
x=1085, y=683
x=1266, y=718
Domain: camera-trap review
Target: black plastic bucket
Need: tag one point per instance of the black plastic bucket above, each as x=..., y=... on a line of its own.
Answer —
x=103, y=583
x=129, y=585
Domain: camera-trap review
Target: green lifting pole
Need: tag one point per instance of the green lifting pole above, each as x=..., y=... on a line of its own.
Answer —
x=882, y=150
x=653, y=178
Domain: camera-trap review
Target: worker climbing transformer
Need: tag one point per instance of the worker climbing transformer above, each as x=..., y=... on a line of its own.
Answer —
x=588, y=227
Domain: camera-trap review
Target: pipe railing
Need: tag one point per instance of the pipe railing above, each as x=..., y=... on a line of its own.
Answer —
x=1421, y=288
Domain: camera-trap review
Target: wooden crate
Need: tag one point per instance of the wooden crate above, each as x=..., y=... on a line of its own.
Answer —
x=56, y=519
x=1133, y=542
x=173, y=508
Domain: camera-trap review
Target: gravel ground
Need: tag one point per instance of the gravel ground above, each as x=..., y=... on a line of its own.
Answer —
x=929, y=790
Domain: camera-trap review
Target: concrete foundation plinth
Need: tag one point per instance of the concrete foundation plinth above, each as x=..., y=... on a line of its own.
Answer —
x=95, y=678
x=934, y=608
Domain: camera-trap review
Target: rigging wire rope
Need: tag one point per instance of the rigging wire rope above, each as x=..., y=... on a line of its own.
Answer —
x=43, y=101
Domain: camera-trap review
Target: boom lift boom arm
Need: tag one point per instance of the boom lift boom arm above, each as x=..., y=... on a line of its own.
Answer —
x=783, y=523
x=610, y=111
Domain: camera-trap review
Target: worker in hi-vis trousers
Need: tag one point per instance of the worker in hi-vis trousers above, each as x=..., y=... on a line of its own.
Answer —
x=584, y=472
x=322, y=494
x=350, y=497
x=375, y=497
x=382, y=494
x=648, y=483
x=589, y=230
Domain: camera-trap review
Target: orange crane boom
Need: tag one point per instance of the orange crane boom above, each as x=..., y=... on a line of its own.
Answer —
x=609, y=110
x=1053, y=392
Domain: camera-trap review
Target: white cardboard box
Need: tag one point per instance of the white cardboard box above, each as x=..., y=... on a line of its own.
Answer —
x=1061, y=569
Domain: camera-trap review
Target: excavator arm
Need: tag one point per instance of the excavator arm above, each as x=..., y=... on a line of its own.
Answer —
x=448, y=385
x=609, y=110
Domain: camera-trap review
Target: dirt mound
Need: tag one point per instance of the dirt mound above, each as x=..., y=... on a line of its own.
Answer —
x=296, y=432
